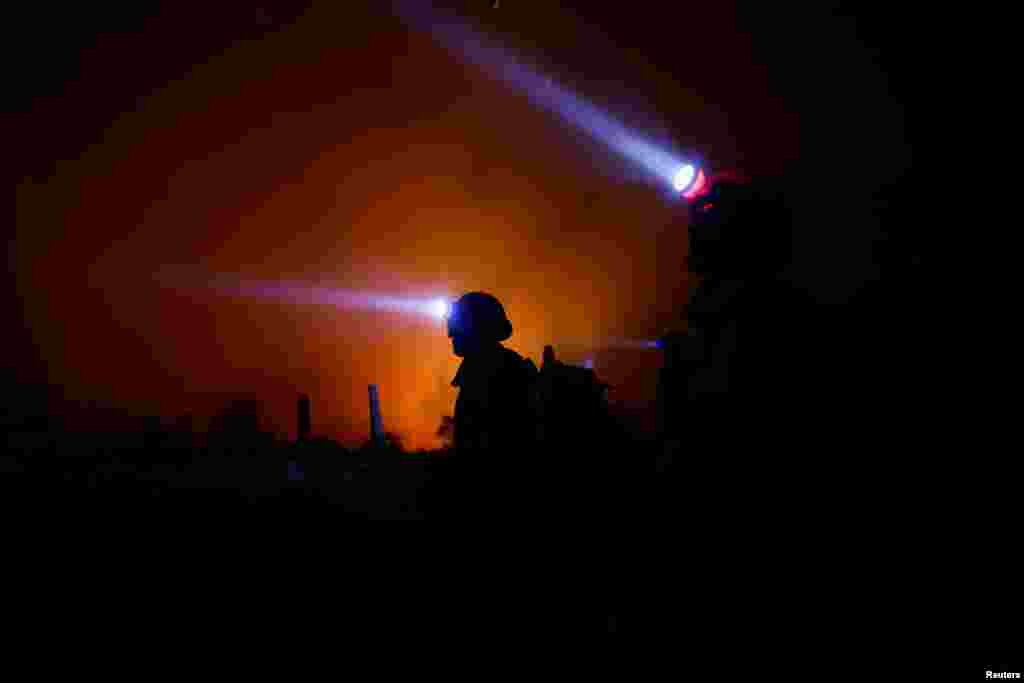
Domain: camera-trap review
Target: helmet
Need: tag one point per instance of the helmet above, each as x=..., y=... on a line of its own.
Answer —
x=481, y=315
x=738, y=227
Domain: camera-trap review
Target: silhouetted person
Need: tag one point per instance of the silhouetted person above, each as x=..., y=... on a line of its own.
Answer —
x=741, y=387
x=494, y=419
x=740, y=310
x=493, y=411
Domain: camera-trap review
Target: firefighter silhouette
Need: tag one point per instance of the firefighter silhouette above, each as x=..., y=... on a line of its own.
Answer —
x=494, y=408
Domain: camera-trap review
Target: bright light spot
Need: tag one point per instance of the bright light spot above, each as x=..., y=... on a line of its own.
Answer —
x=440, y=308
x=683, y=177
x=698, y=186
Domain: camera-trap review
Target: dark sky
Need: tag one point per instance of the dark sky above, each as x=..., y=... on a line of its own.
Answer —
x=328, y=143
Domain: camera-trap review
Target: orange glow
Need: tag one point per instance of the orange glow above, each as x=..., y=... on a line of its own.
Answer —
x=342, y=170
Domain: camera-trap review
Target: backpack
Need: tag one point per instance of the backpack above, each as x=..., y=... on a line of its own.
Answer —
x=570, y=403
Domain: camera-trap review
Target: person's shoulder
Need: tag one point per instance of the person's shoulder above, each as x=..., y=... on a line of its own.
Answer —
x=515, y=364
x=510, y=358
